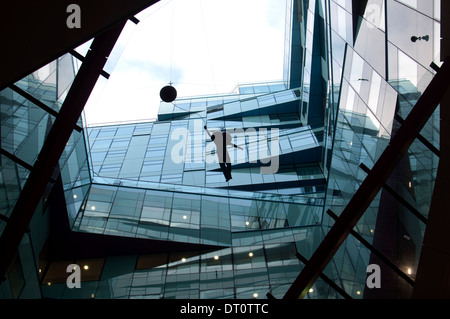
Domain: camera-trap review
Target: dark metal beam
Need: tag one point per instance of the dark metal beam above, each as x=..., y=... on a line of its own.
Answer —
x=433, y=275
x=80, y=57
x=54, y=145
x=372, y=184
x=35, y=33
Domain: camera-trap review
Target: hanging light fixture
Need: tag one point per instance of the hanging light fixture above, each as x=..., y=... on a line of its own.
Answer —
x=415, y=38
x=168, y=93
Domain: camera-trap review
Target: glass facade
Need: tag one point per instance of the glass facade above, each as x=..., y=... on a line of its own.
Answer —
x=352, y=74
x=245, y=231
x=28, y=110
x=377, y=75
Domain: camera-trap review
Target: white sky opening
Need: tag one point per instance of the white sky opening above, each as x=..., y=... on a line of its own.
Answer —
x=203, y=46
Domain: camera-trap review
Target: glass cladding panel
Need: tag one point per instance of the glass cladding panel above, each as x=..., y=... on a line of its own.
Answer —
x=419, y=184
x=134, y=158
x=271, y=214
x=338, y=20
x=338, y=48
x=128, y=203
x=101, y=144
x=142, y=129
x=11, y=179
x=24, y=126
x=405, y=23
x=66, y=75
x=186, y=211
x=375, y=14
x=282, y=263
x=215, y=220
x=107, y=132
x=411, y=3
x=232, y=108
x=249, y=105
x=157, y=207
x=370, y=43
x=41, y=84
x=374, y=94
x=125, y=131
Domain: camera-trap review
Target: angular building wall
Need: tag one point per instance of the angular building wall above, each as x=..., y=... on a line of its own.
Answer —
x=160, y=181
x=378, y=73
x=28, y=110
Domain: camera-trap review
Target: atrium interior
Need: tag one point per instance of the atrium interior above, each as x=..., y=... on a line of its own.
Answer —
x=338, y=185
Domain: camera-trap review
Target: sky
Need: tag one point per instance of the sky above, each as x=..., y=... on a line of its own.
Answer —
x=202, y=46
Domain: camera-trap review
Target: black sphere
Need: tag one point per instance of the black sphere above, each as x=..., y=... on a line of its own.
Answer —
x=168, y=94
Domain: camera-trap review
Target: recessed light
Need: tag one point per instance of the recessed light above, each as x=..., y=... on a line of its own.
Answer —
x=255, y=295
x=250, y=254
x=311, y=290
x=409, y=271
x=75, y=196
x=247, y=223
x=183, y=259
x=358, y=292
x=93, y=207
x=86, y=267
x=184, y=217
x=216, y=257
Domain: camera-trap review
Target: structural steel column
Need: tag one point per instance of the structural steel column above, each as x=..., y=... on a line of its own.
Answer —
x=54, y=145
x=433, y=272
x=370, y=187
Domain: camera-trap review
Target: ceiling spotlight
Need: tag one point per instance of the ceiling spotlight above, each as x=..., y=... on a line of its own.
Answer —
x=183, y=260
x=86, y=267
x=250, y=254
x=216, y=257
x=255, y=295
